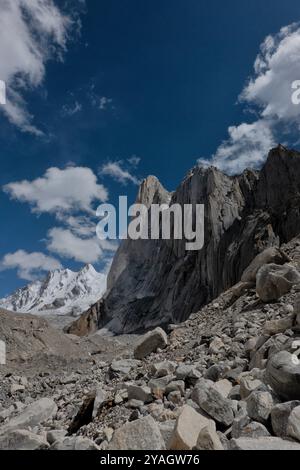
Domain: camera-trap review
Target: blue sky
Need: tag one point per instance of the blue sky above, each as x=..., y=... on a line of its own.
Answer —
x=110, y=91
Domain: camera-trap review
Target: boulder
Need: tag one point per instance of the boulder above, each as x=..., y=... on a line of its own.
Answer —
x=248, y=385
x=187, y=429
x=188, y=373
x=265, y=348
x=259, y=406
x=272, y=255
x=36, y=413
x=142, y=393
x=213, y=403
x=235, y=393
x=176, y=386
x=273, y=281
x=224, y=387
x=216, y=346
x=21, y=439
x=158, y=386
x=163, y=368
x=280, y=416
x=217, y=371
x=274, y=327
x=167, y=428
x=150, y=342
x=209, y=439
x=141, y=434
x=293, y=426
x=284, y=375
x=253, y=430
x=263, y=443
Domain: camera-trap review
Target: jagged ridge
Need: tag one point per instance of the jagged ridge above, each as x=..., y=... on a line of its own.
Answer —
x=155, y=282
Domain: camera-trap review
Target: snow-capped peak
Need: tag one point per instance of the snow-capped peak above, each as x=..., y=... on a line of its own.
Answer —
x=63, y=291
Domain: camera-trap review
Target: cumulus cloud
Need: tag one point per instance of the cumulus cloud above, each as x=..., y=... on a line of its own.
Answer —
x=68, y=245
x=120, y=174
x=31, y=32
x=276, y=68
x=247, y=146
x=29, y=266
x=69, y=195
x=60, y=191
x=269, y=93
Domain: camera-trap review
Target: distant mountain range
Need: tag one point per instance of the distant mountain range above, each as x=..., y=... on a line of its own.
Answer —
x=63, y=292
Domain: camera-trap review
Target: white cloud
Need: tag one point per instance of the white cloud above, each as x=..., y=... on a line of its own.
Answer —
x=247, y=146
x=66, y=244
x=115, y=171
x=69, y=195
x=29, y=266
x=60, y=191
x=81, y=225
x=31, y=32
x=269, y=92
x=276, y=68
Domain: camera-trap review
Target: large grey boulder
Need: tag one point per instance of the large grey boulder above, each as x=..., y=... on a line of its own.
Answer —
x=187, y=429
x=249, y=384
x=142, y=393
x=21, y=439
x=259, y=406
x=280, y=416
x=283, y=374
x=274, y=327
x=209, y=439
x=34, y=414
x=142, y=434
x=213, y=402
x=273, y=281
x=272, y=255
x=150, y=342
x=263, y=443
x=293, y=426
x=255, y=430
x=162, y=369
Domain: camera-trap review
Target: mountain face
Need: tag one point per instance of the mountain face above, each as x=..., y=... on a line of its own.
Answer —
x=157, y=282
x=63, y=292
